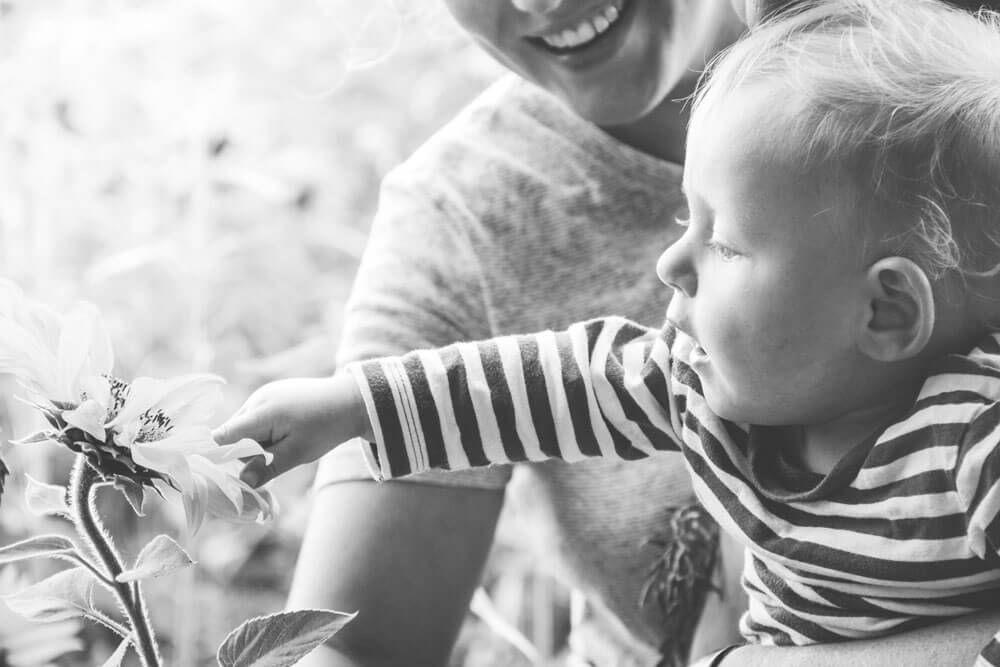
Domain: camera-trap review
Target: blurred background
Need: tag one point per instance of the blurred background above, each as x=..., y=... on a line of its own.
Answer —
x=205, y=172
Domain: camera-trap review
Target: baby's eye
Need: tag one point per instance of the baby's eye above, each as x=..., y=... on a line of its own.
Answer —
x=724, y=251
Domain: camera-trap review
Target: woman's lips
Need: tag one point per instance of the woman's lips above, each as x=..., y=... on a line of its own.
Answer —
x=598, y=47
x=584, y=32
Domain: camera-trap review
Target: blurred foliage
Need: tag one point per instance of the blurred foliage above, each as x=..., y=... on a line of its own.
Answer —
x=205, y=172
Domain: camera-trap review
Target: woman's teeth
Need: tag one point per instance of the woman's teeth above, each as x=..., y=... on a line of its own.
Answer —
x=587, y=30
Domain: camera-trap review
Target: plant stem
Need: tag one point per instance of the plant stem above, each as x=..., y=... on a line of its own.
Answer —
x=109, y=623
x=83, y=483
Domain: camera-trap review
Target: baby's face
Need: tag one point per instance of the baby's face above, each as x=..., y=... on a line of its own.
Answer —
x=767, y=275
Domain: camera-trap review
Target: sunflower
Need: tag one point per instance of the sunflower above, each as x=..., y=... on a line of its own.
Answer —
x=139, y=434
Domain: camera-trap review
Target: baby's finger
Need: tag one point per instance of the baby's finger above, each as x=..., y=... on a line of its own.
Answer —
x=257, y=472
x=239, y=426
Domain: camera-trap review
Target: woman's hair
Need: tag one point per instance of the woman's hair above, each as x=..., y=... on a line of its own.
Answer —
x=901, y=99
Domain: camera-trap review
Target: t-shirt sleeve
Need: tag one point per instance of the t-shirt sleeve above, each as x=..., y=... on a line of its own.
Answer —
x=418, y=286
x=977, y=482
x=419, y=283
x=599, y=388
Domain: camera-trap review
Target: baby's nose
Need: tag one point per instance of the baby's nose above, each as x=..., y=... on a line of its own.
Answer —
x=676, y=270
x=537, y=6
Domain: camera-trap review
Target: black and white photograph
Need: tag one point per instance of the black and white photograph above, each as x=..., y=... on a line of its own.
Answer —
x=516, y=333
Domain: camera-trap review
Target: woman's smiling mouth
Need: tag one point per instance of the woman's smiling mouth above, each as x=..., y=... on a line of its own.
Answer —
x=584, y=32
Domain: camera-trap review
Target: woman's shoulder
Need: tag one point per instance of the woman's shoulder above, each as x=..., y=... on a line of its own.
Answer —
x=510, y=107
x=511, y=127
x=518, y=146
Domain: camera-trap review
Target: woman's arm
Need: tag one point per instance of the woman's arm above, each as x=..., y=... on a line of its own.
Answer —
x=406, y=556
x=954, y=643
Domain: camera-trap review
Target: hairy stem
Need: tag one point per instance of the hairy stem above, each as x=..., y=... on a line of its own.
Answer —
x=83, y=483
x=109, y=623
x=78, y=559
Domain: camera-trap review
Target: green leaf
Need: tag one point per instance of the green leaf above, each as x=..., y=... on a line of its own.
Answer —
x=39, y=546
x=115, y=660
x=66, y=594
x=281, y=639
x=160, y=556
x=134, y=493
x=43, y=499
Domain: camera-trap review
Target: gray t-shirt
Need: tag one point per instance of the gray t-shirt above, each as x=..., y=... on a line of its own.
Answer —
x=515, y=217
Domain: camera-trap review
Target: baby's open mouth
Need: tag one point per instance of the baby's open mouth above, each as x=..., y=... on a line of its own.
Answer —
x=586, y=32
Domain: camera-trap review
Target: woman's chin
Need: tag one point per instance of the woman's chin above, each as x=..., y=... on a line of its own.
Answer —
x=609, y=110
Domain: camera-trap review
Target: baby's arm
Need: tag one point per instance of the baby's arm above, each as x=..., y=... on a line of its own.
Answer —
x=952, y=643
x=977, y=481
x=600, y=388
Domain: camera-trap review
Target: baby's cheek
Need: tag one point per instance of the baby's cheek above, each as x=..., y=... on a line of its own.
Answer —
x=756, y=349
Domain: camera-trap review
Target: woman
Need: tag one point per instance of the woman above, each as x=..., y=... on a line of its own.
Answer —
x=494, y=226
x=545, y=188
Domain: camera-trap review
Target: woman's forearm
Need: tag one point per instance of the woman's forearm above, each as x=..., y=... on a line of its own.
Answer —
x=954, y=643
x=406, y=556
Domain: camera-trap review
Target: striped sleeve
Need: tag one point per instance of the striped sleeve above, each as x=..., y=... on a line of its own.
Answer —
x=977, y=482
x=598, y=388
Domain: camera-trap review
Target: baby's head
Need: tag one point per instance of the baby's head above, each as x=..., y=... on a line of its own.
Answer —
x=843, y=176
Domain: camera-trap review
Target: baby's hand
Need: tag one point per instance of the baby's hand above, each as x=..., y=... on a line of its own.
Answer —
x=297, y=420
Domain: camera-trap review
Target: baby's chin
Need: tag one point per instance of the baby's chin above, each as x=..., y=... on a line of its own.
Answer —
x=730, y=407
x=722, y=405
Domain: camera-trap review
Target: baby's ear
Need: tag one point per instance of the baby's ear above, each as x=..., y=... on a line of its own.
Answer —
x=900, y=316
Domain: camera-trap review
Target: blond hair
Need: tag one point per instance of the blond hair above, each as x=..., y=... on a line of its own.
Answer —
x=902, y=97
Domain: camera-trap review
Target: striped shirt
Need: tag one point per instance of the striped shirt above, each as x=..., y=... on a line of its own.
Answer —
x=902, y=533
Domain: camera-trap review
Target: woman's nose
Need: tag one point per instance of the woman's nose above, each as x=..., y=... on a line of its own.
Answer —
x=537, y=6
x=675, y=268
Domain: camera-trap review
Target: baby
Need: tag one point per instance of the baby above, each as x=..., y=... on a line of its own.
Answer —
x=826, y=369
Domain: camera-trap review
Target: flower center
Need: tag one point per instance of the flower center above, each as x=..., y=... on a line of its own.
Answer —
x=119, y=392
x=153, y=425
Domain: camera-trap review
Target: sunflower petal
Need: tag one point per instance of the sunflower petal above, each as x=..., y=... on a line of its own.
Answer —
x=143, y=394
x=28, y=359
x=89, y=417
x=217, y=481
x=236, y=451
x=186, y=440
x=84, y=349
x=194, y=508
x=186, y=399
x=171, y=464
x=192, y=399
x=97, y=388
